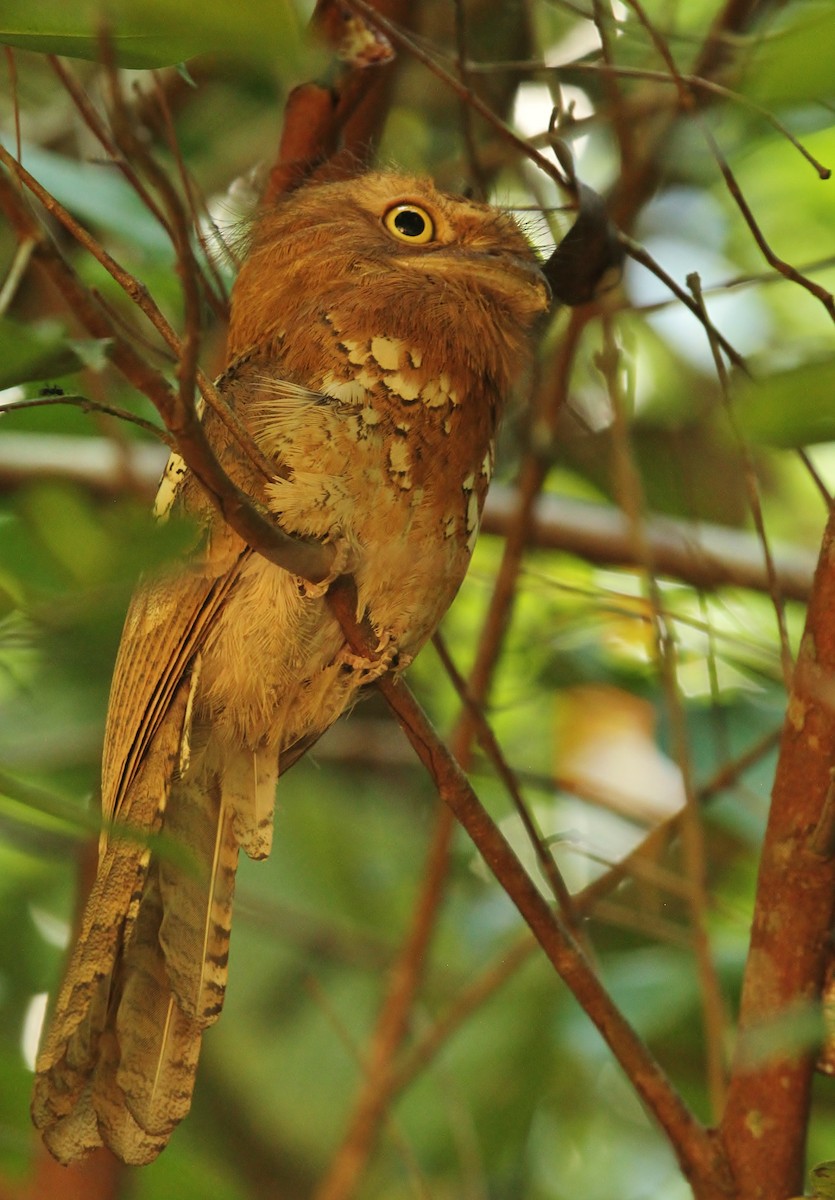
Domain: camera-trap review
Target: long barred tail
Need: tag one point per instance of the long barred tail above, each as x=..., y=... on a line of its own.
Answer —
x=148, y=973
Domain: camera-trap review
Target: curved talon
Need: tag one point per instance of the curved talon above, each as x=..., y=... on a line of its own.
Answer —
x=342, y=564
x=386, y=657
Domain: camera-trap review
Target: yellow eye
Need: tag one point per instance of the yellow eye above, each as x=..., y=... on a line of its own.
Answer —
x=409, y=223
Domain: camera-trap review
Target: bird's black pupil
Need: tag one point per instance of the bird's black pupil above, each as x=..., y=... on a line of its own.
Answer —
x=409, y=223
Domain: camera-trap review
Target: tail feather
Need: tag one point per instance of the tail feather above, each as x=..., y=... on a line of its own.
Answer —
x=197, y=899
x=249, y=780
x=158, y=1043
x=72, y=1136
x=149, y=970
x=117, y=1125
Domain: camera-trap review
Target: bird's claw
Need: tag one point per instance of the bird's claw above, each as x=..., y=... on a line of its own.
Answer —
x=343, y=562
x=386, y=657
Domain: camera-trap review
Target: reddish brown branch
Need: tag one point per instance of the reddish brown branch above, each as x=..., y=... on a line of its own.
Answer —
x=400, y=38
x=307, y=558
x=700, y=1159
x=100, y=132
x=764, y=1128
x=336, y=125
x=493, y=751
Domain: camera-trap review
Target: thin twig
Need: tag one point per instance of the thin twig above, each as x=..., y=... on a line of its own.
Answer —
x=138, y=294
x=630, y=493
x=310, y=559
x=693, y=1145
x=88, y=405
x=375, y=1095
x=399, y=38
x=550, y=399
x=465, y=110
x=786, y=269
x=611, y=89
x=751, y=482
x=99, y=129
x=216, y=296
x=320, y=997
x=815, y=476
x=511, y=958
x=641, y=255
x=16, y=272
x=621, y=71
x=135, y=151
x=489, y=744
x=11, y=63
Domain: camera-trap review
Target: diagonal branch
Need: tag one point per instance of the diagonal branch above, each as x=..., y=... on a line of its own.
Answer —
x=307, y=558
x=701, y=1158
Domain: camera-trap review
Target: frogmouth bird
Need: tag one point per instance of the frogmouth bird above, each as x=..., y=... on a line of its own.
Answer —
x=376, y=329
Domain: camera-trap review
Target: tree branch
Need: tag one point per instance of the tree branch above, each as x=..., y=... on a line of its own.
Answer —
x=764, y=1127
x=702, y=555
x=310, y=559
x=700, y=1157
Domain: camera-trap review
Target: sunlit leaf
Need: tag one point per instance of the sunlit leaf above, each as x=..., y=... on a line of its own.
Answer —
x=793, y=62
x=153, y=33
x=96, y=193
x=35, y=352
x=792, y=408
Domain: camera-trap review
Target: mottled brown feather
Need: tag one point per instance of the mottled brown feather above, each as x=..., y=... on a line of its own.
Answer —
x=372, y=371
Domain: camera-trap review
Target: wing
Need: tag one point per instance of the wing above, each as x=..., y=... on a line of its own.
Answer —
x=146, y=739
x=148, y=971
x=165, y=628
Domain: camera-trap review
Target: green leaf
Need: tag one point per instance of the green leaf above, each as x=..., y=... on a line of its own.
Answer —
x=793, y=62
x=35, y=352
x=153, y=33
x=792, y=408
x=822, y=1180
x=96, y=193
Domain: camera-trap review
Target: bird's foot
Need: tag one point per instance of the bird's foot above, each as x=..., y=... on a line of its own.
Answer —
x=386, y=657
x=343, y=564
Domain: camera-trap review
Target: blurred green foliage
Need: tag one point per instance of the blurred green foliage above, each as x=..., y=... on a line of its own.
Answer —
x=524, y=1099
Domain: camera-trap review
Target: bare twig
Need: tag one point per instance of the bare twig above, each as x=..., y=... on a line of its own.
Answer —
x=751, y=482
x=138, y=294
x=693, y=1145
x=464, y=109
x=177, y=226
x=686, y=98
x=309, y=559
x=786, y=269
x=17, y=270
x=88, y=405
x=510, y=959
x=217, y=295
x=630, y=492
x=489, y=744
x=399, y=38
x=621, y=71
x=642, y=256
x=99, y=129
x=377, y=1086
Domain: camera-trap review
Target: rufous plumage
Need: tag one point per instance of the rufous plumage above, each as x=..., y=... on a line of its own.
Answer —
x=376, y=329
